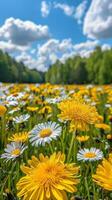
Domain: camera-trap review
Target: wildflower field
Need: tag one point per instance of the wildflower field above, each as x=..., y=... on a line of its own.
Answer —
x=55, y=142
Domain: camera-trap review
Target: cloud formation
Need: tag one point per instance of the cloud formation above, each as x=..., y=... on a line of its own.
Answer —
x=80, y=11
x=98, y=20
x=68, y=10
x=11, y=48
x=17, y=38
x=53, y=50
x=71, y=11
x=22, y=33
x=45, y=8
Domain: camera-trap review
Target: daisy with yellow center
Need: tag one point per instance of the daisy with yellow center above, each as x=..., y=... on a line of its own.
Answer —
x=13, y=150
x=2, y=110
x=44, y=133
x=48, y=178
x=19, y=137
x=82, y=138
x=80, y=114
x=103, y=176
x=91, y=154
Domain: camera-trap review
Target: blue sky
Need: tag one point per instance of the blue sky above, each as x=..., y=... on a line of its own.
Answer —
x=61, y=26
x=68, y=27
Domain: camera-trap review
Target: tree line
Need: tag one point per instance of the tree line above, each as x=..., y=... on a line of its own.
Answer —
x=96, y=69
x=13, y=71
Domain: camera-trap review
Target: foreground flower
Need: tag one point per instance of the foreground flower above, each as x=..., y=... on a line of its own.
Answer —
x=19, y=137
x=13, y=150
x=21, y=118
x=91, y=154
x=80, y=114
x=103, y=176
x=2, y=110
x=48, y=178
x=44, y=133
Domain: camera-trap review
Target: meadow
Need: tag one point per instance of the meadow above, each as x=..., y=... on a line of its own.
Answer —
x=55, y=142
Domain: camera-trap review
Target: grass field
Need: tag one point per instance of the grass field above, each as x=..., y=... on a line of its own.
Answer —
x=55, y=142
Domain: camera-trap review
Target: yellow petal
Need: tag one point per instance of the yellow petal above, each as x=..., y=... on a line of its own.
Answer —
x=57, y=194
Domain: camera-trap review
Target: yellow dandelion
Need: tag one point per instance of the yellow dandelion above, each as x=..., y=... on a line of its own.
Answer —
x=82, y=138
x=19, y=137
x=45, y=109
x=109, y=136
x=32, y=109
x=2, y=110
x=103, y=126
x=80, y=114
x=48, y=178
x=103, y=176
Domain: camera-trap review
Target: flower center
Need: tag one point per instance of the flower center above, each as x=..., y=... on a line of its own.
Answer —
x=48, y=173
x=90, y=155
x=45, y=132
x=15, y=152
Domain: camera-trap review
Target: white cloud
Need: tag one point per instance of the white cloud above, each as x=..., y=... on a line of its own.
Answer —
x=84, y=49
x=86, y=45
x=11, y=48
x=53, y=58
x=53, y=50
x=98, y=20
x=105, y=47
x=68, y=10
x=71, y=11
x=80, y=11
x=22, y=33
x=49, y=47
x=46, y=54
x=55, y=46
x=65, y=45
x=39, y=63
x=45, y=8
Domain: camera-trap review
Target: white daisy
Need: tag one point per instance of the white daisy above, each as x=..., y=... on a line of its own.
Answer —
x=91, y=154
x=53, y=100
x=44, y=133
x=108, y=105
x=11, y=103
x=71, y=91
x=21, y=118
x=15, y=97
x=13, y=150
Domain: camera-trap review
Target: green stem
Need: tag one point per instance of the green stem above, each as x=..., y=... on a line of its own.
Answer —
x=93, y=182
x=3, y=131
x=87, y=188
x=51, y=149
x=71, y=146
